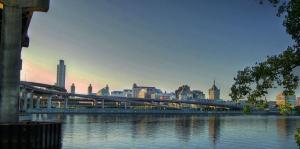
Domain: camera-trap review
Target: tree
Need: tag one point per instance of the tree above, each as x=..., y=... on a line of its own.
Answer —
x=297, y=137
x=285, y=109
x=247, y=109
x=253, y=82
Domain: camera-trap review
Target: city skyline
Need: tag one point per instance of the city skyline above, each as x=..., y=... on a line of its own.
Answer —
x=191, y=51
x=149, y=74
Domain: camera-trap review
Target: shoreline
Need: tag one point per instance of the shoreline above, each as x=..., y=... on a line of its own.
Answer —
x=133, y=111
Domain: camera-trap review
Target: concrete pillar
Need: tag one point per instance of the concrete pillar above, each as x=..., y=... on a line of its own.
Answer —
x=22, y=97
x=37, y=103
x=25, y=99
x=12, y=32
x=125, y=105
x=65, y=101
x=30, y=98
x=49, y=102
x=95, y=103
x=10, y=63
x=102, y=103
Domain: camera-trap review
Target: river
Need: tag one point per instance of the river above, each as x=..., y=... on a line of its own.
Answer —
x=176, y=131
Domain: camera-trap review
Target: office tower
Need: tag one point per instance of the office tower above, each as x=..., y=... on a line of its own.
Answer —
x=61, y=74
x=214, y=92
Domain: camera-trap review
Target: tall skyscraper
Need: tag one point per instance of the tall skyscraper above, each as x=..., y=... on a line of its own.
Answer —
x=61, y=74
x=214, y=92
x=73, y=88
x=90, y=90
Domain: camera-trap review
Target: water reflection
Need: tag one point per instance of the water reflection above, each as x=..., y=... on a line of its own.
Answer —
x=287, y=126
x=176, y=131
x=214, y=128
x=183, y=128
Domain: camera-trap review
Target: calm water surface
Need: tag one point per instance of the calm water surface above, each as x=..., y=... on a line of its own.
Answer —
x=170, y=131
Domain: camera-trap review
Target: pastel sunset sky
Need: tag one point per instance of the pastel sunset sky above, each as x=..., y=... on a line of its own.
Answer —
x=162, y=43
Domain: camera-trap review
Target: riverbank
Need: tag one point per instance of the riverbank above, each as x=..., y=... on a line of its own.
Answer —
x=135, y=111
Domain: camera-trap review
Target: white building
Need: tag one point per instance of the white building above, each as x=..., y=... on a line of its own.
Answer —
x=127, y=93
x=117, y=93
x=164, y=96
x=61, y=74
x=143, y=91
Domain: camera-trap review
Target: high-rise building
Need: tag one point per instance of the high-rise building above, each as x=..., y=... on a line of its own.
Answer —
x=214, y=92
x=298, y=102
x=281, y=99
x=61, y=74
x=73, y=88
x=90, y=90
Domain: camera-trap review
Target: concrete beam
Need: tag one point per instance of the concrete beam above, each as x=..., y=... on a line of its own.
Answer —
x=30, y=5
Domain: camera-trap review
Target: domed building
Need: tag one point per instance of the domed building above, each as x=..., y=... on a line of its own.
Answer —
x=214, y=92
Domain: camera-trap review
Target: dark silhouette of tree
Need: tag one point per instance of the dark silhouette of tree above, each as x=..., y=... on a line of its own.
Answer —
x=253, y=82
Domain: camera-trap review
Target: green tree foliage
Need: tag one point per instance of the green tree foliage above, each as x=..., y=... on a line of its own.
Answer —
x=262, y=104
x=297, y=137
x=253, y=82
x=285, y=109
x=246, y=109
x=297, y=110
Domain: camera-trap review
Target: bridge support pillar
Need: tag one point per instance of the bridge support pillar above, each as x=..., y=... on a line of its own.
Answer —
x=95, y=103
x=10, y=62
x=30, y=98
x=125, y=105
x=49, y=102
x=65, y=102
x=13, y=34
x=102, y=103
x=25, y=100
x=37, y=104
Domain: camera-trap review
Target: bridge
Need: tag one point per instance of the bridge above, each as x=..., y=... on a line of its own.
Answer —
x=44, y=97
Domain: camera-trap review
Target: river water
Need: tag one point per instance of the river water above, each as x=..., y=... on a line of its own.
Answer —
x=176, y=131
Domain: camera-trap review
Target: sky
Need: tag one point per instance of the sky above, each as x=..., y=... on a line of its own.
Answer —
x=161, y=43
